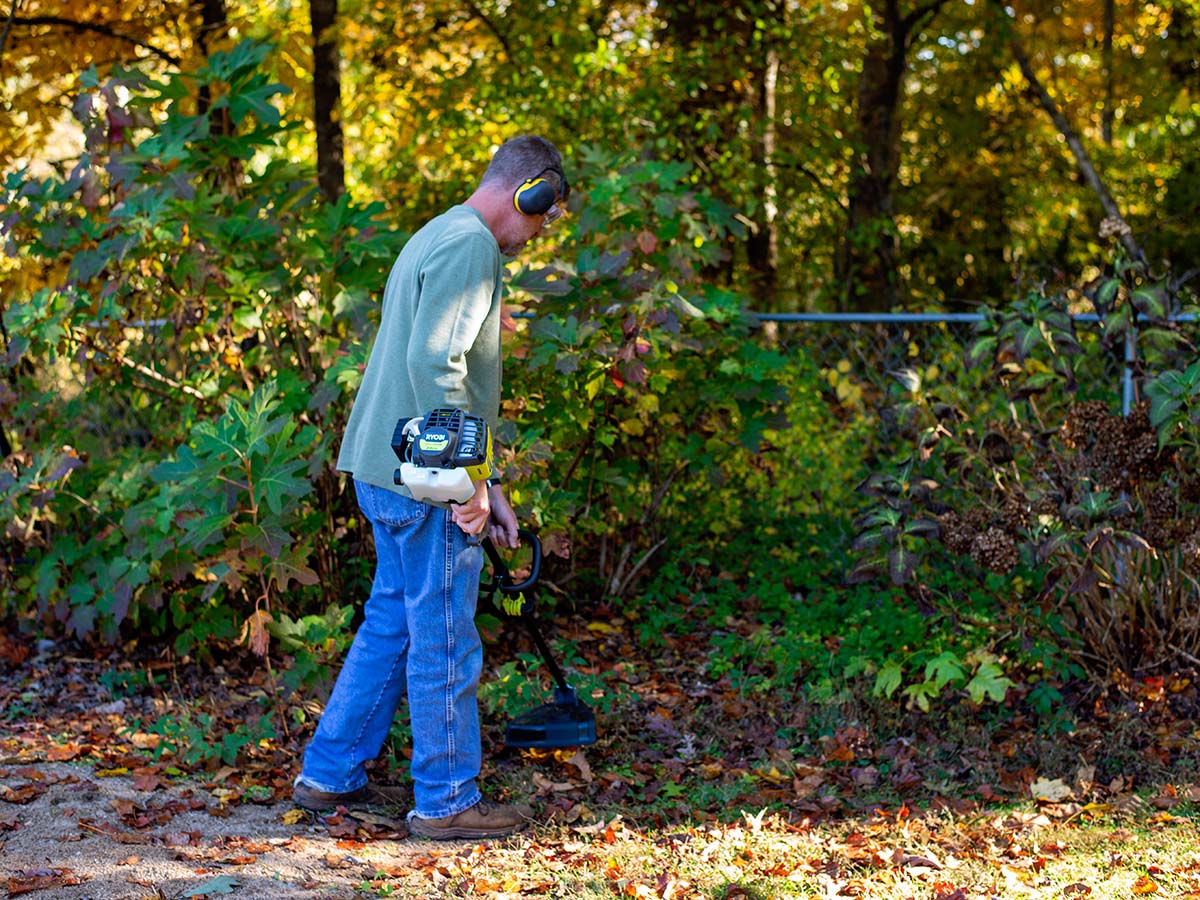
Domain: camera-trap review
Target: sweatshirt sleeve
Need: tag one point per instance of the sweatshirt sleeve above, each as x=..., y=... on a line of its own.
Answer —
x=457, y=283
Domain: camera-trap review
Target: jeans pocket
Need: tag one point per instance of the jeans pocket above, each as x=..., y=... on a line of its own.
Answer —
x=384, y=507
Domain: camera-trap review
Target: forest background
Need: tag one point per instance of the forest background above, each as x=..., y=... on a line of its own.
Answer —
x=202, y=199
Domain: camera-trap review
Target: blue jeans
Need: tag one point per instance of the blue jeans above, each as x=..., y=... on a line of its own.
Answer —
x=419, y=631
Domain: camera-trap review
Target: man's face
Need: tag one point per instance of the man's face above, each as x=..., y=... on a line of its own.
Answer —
x=525, y=228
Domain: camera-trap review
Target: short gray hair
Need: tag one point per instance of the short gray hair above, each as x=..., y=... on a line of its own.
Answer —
x=524, y=157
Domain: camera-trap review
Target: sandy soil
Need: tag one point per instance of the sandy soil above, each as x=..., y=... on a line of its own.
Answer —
x=72, y=832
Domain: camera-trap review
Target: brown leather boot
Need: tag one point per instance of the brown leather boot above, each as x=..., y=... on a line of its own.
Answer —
x=483, y=820
x=370, y=798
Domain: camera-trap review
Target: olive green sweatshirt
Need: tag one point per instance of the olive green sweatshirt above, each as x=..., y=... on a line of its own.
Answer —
x=438, y=343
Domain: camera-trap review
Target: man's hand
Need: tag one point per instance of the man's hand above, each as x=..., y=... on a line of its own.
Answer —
x=472, y=516
x=502, y=527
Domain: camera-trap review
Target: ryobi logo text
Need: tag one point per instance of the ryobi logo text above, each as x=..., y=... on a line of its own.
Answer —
x=434, y=441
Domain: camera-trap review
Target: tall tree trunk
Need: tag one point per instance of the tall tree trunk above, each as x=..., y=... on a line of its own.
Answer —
x=1106, y=114
x=762, y=246
x=867, y=256
x=214, y=22
x=866, y=259
x=1075, y=143
x=732, y=67
x=327, y=98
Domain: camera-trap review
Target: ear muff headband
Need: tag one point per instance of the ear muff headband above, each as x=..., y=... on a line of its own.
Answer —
x=537, y=195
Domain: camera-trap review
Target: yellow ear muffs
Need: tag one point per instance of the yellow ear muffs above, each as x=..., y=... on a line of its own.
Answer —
x=535, y=197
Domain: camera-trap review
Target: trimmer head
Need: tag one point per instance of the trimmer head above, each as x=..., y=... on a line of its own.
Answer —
x=567, y=722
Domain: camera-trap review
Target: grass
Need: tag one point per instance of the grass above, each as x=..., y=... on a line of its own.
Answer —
x=906, y=852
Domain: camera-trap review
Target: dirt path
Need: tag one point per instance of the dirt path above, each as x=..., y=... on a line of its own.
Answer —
x=72, y=832
x=90, y=810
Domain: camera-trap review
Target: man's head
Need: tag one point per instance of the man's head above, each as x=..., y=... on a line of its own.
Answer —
x=523, y=189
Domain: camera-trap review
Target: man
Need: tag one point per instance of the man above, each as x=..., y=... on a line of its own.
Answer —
x=438, y=346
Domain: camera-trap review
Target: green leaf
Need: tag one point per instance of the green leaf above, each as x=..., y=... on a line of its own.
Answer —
x=202, y=530
x=889, y=678
x=1149, y=303
x=1107, y=293
x=989, y=681
x=179, y=469
x=984, y=348
x=257, y=100
x=924, y=527
x=1028, y=338
x=944, y=669
x=880, y=516
x=291, y=566
x=901, y=563
x=921, y=693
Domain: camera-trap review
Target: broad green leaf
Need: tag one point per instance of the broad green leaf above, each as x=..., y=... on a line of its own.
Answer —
x=292, y=566
x=989, y=681
x=944, y=669
x=921, y=693
x=1107, y=293
x=1149, y=303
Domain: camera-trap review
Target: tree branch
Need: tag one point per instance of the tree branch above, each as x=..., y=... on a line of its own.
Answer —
x=8, y=24
x=912, y=21
x=491, y=26
x=1075, y=143
x=106, y=30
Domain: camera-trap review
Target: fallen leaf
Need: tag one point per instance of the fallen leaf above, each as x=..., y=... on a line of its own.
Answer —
x=1145, y=885
x=1046, y=790
x=147, y=783
x=585, y=771
x=64, y=753
x=24, y=794
x=386, y=821
x=294, y=817
x=545, y=785
x=41, y=879
x=222, y=884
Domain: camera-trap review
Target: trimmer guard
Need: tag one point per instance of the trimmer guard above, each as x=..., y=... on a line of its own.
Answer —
x=566, y=722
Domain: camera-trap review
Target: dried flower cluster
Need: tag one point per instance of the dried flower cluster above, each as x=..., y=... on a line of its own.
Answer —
x=995, y=549
x=1116, y=452
x=1104, y=452
x=1114, y=226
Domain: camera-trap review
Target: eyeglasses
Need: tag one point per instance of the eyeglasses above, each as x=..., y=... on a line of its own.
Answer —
x=553, y=214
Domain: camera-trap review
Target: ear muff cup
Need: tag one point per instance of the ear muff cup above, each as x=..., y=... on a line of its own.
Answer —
x=535, y=197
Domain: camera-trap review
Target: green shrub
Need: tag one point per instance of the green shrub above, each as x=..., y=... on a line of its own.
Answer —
x=175, y=370
x=1051, y=480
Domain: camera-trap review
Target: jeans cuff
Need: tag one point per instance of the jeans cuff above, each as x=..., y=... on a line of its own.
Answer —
x=317, y=786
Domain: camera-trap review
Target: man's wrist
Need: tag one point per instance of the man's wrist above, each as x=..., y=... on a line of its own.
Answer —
x=494, y=480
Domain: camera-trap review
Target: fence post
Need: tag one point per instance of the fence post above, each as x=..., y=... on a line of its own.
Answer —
x=1127, y=374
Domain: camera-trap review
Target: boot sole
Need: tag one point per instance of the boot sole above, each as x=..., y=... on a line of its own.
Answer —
x=463, y=834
